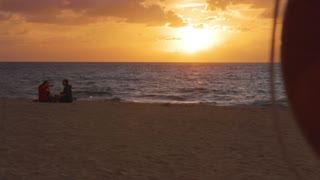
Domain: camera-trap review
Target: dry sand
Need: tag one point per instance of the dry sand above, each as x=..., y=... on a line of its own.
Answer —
x=105, y=140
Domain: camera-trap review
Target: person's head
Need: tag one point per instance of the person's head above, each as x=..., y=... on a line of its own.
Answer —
x=65, y=82
x=45, y=83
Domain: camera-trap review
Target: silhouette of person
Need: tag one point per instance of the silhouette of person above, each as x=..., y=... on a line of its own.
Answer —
x=44, y=94
x=66, y=95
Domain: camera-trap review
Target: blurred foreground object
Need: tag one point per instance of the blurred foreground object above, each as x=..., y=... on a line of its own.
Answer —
x=301, y=65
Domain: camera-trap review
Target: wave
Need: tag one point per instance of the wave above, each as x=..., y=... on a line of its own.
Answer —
x=165, y=97
x=116, y=99
x=197, y=89
x=257, y=103
x=93, y=93
x=221, y=85
x=261, y=91
x=225, y=92
x=206, y=91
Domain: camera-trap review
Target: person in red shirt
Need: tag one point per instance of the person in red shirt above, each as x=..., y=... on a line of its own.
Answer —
x=44, y=92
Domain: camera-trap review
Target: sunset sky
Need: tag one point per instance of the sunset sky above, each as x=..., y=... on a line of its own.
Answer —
x=136, y=30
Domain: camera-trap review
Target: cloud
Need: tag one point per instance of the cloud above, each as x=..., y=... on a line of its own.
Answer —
x=86, y=11
x=219, y=4
x=216, y=18
x=223, y=4
x=31, y=7
x=255, y=4
x=175, y=20
x=4, y=17
x=170, y=38
x=199, y=26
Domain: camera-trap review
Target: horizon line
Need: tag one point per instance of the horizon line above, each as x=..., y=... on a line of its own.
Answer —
x=142, y=62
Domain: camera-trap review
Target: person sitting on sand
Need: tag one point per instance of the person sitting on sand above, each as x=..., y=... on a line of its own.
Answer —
x=44, y=94
x=66, y=95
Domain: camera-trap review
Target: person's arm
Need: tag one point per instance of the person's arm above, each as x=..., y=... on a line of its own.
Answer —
x=63, y=93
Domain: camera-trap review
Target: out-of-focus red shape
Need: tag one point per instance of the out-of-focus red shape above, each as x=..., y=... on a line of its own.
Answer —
x=301, y=65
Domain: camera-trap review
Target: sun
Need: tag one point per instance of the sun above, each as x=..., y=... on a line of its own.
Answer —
x=197, y=39
x=191, y=39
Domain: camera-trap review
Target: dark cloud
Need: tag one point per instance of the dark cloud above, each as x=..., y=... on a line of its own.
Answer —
x=51, y=11
x=30, y=6
x=4, y=17
x=60, y=19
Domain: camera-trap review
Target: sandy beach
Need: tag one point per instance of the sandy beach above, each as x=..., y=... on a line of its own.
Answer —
x=107, y=140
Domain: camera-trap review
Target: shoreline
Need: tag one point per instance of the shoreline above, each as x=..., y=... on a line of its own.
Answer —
x=119, y=100
x=106, y=140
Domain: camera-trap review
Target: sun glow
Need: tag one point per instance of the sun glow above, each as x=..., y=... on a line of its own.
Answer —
x=197, y=39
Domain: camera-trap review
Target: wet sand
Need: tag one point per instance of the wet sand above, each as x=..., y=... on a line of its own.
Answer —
x=106, y=140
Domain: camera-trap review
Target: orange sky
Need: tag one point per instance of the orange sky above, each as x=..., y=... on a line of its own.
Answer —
x=136, y=30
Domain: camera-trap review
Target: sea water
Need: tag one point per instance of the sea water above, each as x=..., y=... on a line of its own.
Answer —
x=245, y=84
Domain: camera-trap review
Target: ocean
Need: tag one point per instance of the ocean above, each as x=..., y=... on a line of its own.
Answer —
x=245, y=84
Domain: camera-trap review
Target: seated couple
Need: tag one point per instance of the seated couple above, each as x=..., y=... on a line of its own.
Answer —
x=46, y=96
